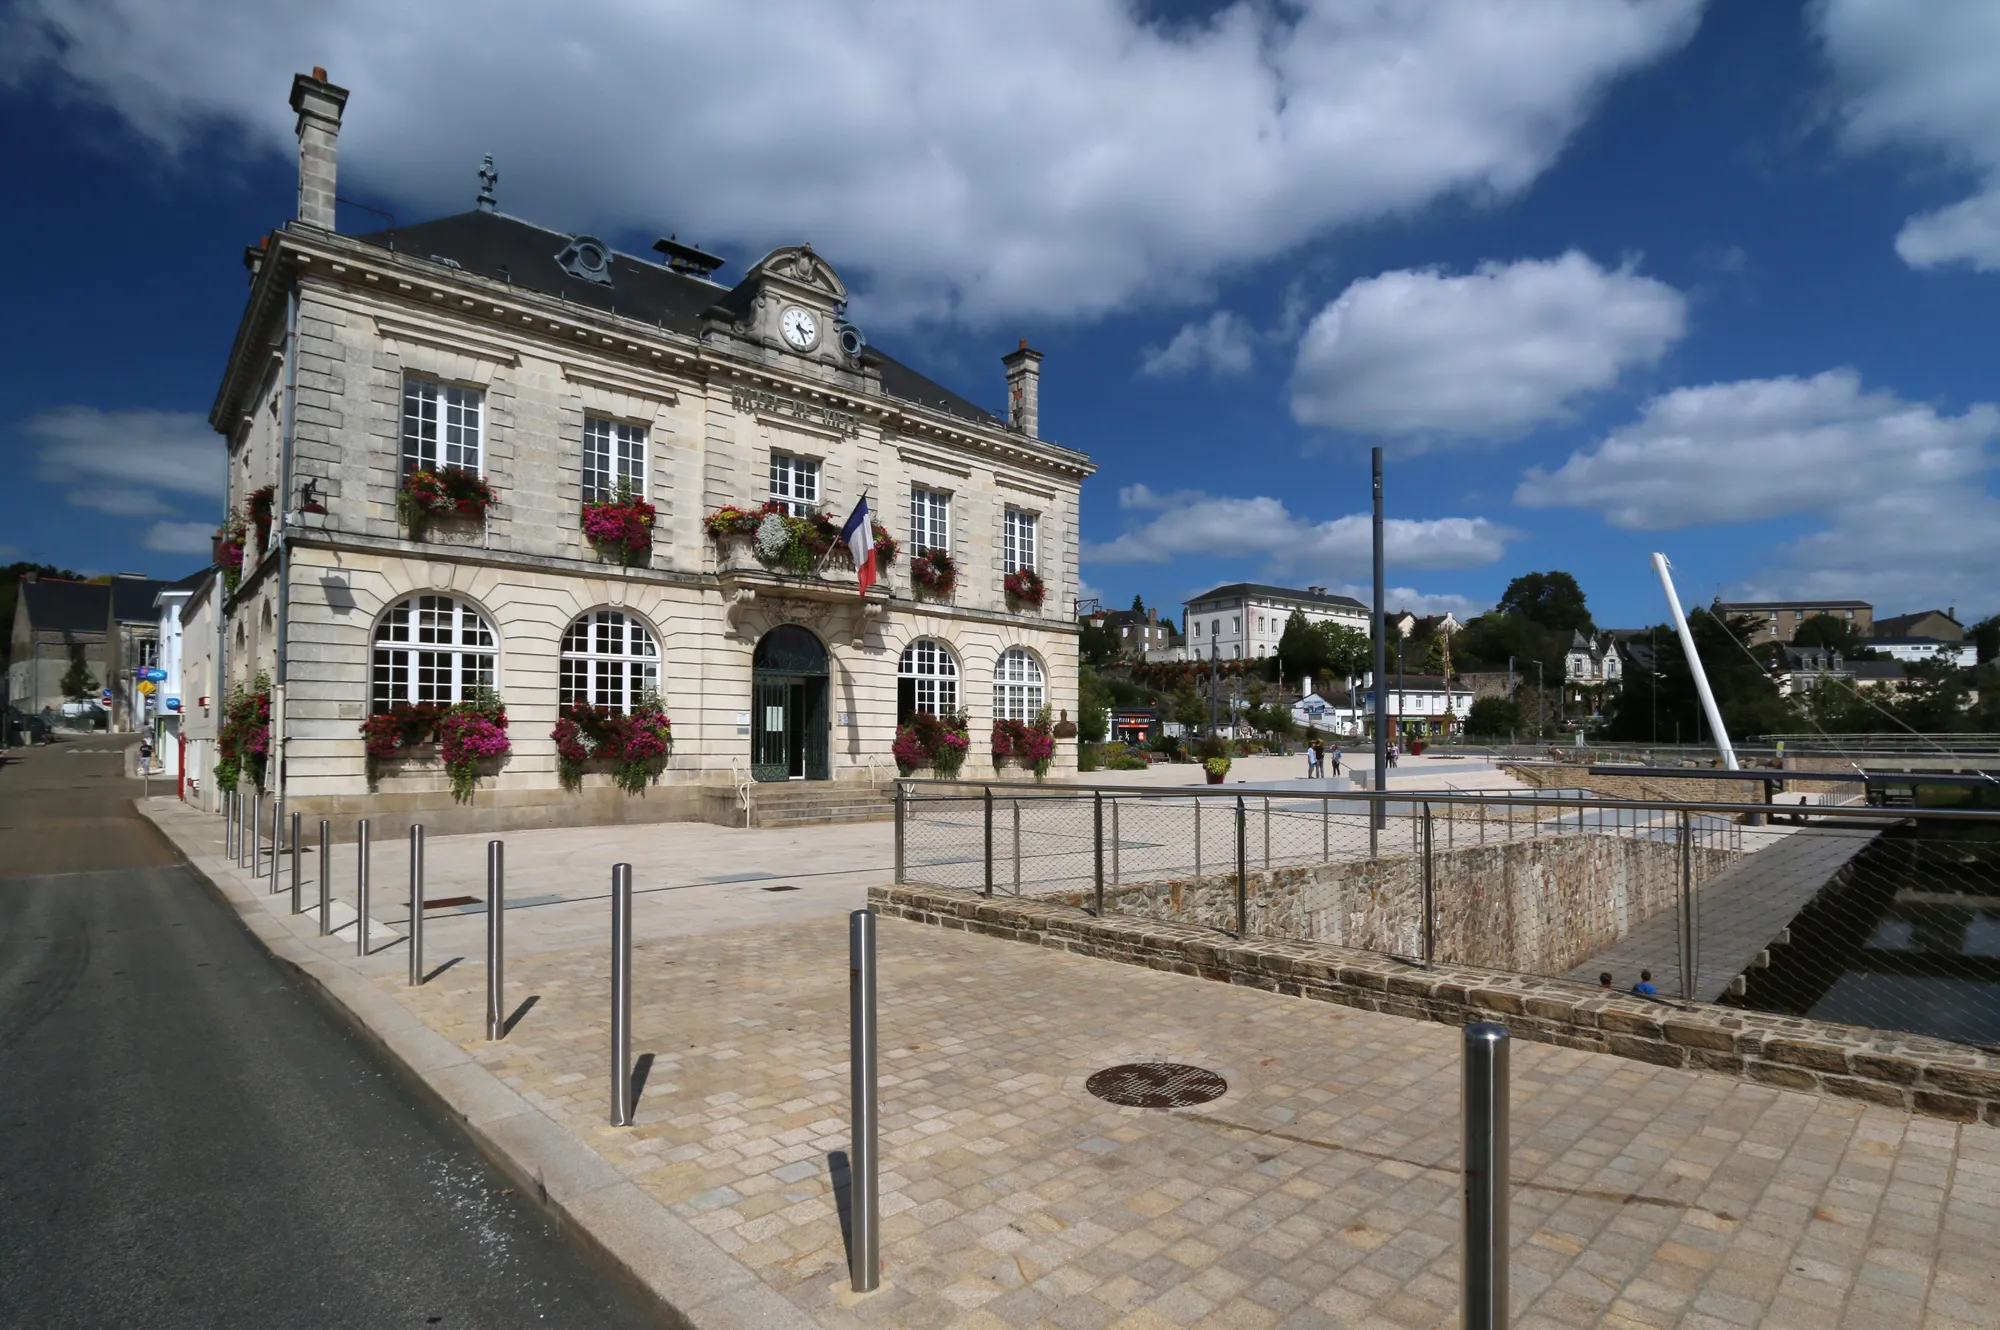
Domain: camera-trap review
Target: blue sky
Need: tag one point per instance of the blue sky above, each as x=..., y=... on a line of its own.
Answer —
x=1603, y=276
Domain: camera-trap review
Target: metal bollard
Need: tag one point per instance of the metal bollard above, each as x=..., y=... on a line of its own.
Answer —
x=1017, y=846
x=229, y=825
x=987, y=802
x=496, y=940
x=1097, y=841
x=256, y=832
x=1430, y=892
x=277, y=827
x=864, y=1257
x=902, y=808
x=416, y=904
x=1242, y=869
x=296, y=835
x=361, y=890
x=1483, y=1270
x=325, y=874
x=621, y=995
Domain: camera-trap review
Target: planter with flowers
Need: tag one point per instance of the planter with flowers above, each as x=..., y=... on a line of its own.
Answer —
x=937, y=742
x=243, y=739
x=1216, y=768
x=1024, y=589
x=469, y=738
x=443, y=494
x=633, y=745
x=933, y=574
x=782, y=543
x=259, y=507
x=621, y=526
x=227, y=550
x=1030, y=743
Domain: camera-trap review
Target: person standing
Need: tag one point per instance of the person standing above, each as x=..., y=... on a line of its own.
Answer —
x=1336, y=759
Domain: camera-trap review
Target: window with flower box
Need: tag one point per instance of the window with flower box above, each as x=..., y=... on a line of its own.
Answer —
x=1018, y=532
x=926, y=681
x=431, y=649
x=608, y=659
x=1017, y=686
x=614, y=457
x=443, y=426
x=930, y=519
x=795, y=483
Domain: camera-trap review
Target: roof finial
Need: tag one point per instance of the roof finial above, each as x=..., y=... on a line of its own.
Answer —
x=488, y=177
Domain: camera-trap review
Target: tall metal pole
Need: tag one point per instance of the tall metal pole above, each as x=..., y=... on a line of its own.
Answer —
x=361, y=890
x=1483, y=1274
x=1017, y=845
x=296, y=836
x=1687, y=930
x=324, y=871
x=1214, y=674
x=1097, y=841
x=416, y=904
x=621, y=995
x=1430, y=894
x=1242, y=869
x=496, y=941
x=987, y=808
x=1694, y=664
x=1381, y=810
x=864, y=1256
x=902, y=813
x=1117, y=868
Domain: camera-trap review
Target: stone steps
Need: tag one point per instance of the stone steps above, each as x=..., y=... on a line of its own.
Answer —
x=817, y=803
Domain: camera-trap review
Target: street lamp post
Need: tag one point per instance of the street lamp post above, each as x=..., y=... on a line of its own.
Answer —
x=1540, y=702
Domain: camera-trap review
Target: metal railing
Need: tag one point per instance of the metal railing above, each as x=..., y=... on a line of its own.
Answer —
x=1884, y=917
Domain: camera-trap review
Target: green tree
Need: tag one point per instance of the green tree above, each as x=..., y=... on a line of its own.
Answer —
x=78, y=683
x=1744, y=689
x=1302, y=650
x=1493, y=718
x=1138, y=604
x=1189, y=708
x=1349, y=651
x=1098, y=644
x=1827, y=632
x=1551, y=599
x=1093, y=707
x=1437, y=657
x=1986, y=638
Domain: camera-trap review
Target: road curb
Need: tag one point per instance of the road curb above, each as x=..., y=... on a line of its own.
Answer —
x=691, y=1281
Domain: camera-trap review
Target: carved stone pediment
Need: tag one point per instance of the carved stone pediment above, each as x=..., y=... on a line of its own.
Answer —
x=799, y=268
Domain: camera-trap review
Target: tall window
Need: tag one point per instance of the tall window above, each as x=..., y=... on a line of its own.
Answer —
x=614, y=455
x=608, y=660
x=930, y=520
x=1019, y=533
x=795, y=483
x=441, y=426
x=1017, y=686
x=927, y=680
x=431, y=649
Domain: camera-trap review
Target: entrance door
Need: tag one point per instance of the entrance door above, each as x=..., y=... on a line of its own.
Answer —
x=788, y=714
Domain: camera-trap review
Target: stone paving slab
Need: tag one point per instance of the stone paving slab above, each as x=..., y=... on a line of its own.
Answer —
x=1320, y=1191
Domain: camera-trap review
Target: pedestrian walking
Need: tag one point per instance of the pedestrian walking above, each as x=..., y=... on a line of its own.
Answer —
x=1336, y=759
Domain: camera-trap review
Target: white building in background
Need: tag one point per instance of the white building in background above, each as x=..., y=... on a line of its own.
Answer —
x=1245, y=620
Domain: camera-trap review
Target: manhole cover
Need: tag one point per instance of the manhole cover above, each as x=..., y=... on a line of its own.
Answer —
x=1157, y=1085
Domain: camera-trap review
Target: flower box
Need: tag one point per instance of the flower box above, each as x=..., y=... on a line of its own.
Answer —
x=1024, y=589
x=621, y=527
x=933, y=575
x=427, y=497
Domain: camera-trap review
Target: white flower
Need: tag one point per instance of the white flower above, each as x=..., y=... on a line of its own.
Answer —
x=774, y=537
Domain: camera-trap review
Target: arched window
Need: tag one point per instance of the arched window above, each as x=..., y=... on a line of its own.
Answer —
x=431, y=649
x=927, y=680
x=1017, y=686
x=608, y=660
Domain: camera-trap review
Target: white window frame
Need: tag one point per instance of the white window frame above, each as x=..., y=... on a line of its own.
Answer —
x=1018, y=539
x=431, y=648
x=795, y=482
x=930, y=519
x=930, y=665
x=608, y=659
x=614, y=454
x=444, y=426
x=1019, y=685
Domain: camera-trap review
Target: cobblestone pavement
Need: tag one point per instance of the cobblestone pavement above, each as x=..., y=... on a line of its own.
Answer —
x=1320, y=1191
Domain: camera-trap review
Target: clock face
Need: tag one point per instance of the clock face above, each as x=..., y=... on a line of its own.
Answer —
x=800, y=327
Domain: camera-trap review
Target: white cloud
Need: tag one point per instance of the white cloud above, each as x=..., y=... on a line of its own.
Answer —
x=1221, y=345
x=1762, y=448
x=1191, y=523
x=1056, y=157
x=1922, y=73
x=1484, y=356
x=128, y=463
x=179, y=537
x=1901, y=488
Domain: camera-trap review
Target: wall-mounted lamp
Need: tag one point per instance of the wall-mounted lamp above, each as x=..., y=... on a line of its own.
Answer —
x=309, y=501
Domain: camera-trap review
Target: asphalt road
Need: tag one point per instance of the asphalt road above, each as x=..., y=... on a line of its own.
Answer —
x=189, y=1137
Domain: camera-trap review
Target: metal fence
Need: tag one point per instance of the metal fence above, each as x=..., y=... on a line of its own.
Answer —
x=1880, y=917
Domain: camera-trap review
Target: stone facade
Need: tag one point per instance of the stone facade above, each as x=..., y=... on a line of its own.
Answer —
x=712, y=385
x=1932, y=1077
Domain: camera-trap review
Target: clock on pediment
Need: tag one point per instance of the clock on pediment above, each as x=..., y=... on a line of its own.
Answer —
x=795, y=302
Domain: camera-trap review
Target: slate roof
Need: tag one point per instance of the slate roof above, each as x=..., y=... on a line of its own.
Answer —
x=1239, y=590
x=132, y=599
x=66, y=607
x=1900, y=625
x=507, y=249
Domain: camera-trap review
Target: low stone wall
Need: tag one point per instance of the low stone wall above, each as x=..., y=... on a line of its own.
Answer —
x=1932, y=1077
x=390, y=814
x=1542, y=905
x=1691, y=788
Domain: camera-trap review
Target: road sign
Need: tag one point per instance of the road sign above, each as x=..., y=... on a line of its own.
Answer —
x=172, y=704
x=104, y=698
x=148, y=687
x=150, y=674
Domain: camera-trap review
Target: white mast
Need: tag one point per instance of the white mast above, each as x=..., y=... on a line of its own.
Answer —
x=1694, y=663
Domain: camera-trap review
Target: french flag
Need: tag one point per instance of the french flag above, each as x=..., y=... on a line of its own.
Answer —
x=859, y=537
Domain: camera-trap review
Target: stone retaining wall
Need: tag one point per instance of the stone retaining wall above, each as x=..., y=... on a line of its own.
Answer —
x=1541, y=905
x=1932, y=1077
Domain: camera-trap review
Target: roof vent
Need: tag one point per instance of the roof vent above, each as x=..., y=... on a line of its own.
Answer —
x=687, y=259
x=587, y=257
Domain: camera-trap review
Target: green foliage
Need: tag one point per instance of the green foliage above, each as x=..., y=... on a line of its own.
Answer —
x=1437, y=658
x=1189, y=708
x=1490, y=640
x=1098, y=645
x=1493, y=718
x=1986, y=638
x=78, y=683
x=1743, y=687
x=1823, y=630
x=1322, y=650
x=1551, y=599
x=1093, y=703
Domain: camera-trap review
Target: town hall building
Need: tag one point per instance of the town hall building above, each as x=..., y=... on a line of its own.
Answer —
x=422, y=416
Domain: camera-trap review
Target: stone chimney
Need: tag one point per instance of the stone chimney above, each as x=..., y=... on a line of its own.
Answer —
x=1024, y=390
x=319, y=105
